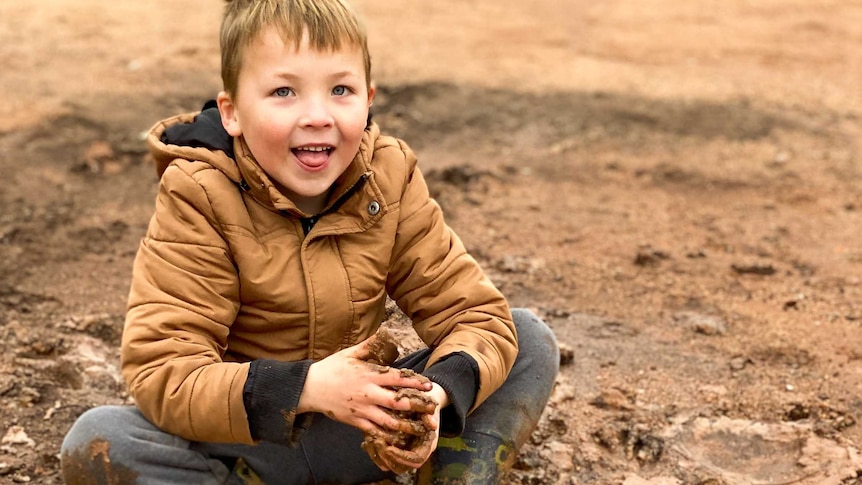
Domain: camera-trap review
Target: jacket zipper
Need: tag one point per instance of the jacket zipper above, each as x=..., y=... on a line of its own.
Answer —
x=309, y=222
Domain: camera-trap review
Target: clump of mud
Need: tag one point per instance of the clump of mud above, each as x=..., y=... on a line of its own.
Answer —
x=417, y=430
x=383, y=348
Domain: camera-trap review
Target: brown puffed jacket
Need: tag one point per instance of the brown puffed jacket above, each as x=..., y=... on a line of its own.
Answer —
x=226, y=275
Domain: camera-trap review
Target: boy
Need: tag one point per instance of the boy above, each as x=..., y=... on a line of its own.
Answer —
x=284, y=219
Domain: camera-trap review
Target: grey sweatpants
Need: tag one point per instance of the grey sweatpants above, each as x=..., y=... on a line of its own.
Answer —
x=117, y=445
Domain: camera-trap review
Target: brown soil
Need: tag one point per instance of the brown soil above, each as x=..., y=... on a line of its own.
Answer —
x=674, y=186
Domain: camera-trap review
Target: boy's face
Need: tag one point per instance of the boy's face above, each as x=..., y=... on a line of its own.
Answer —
x=302, y=113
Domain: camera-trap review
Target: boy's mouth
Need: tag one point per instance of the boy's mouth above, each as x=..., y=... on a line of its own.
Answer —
x=312, y=156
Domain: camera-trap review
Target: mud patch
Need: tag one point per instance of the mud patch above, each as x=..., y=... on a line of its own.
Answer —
x=429, y=112
x=22, y=301
x=746, y=452
x=383, y=348
x=93, y=466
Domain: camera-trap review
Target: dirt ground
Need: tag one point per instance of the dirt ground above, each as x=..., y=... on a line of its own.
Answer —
x=676, y=187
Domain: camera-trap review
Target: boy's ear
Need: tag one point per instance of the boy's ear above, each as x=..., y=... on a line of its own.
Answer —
x=229, y=115
x=371, y=91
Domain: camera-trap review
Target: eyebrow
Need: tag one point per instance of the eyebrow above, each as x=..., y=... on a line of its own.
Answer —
x=337, y=75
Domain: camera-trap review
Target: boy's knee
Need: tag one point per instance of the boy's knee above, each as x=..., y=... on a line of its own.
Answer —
x=536, y=339
x=114, y=429
x=95, y=424
x=89, y=448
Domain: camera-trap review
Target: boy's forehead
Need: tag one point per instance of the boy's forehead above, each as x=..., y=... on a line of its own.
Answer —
x=269, y=55
x=274, y=37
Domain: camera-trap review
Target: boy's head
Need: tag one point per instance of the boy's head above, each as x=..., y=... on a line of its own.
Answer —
x=297, y=90
x=328, y=24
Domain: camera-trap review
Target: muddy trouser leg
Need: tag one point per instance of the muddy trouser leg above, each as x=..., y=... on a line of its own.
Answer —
x=114, y=445
x=117, y=445
x=498, y=428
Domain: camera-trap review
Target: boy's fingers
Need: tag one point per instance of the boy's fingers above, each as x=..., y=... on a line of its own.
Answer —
x=361, y=351
x=410, y=374
x=369, y=428
x=429, y=422
x=409, y=426
x=403, y=456
x=389, y=437
x=402, y=378
x=389, y=460
x=417, y=400
x=372, y=448
x=407, y=458
x=385, y=422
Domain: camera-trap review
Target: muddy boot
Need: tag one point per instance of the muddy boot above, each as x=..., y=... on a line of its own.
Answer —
x=470, y=459
x=494, y=433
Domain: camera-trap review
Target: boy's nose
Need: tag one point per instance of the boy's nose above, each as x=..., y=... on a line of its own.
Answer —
x=316, y=114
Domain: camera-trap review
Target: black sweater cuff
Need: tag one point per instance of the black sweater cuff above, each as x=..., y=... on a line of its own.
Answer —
x=271, y=395
x=458, y=375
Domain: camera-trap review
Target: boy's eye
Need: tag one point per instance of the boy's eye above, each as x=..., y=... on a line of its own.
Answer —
x=340, y=90
x=283, y=92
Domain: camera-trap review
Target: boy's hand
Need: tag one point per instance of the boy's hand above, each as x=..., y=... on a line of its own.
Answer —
x=348, y=389
x=389, y=457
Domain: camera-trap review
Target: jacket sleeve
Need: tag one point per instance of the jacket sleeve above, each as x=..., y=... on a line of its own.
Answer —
x=452, y=303
x=184, y=297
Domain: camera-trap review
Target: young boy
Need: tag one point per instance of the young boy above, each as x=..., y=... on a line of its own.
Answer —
x=283, y=220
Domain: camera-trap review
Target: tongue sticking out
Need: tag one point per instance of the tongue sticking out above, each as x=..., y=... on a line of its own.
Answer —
x=312, y=158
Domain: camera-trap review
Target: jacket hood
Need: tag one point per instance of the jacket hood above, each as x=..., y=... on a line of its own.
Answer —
x=205, y=131
x=194, y=136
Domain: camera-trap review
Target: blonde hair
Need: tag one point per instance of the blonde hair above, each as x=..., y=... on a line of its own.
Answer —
x=329, y=24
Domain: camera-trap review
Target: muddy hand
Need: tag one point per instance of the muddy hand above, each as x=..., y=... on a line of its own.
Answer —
x=419, y=401
x=400, y=451
x=377, y=451
x=417, y=450
x=408, y=430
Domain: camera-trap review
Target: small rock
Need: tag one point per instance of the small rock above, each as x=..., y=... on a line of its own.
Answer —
x=6, y=384
x=797, y=412
x=703, y=324
x=518, y=264
x=650, y=257
x=562, y=393
x=739, y=362
x=636, y=480
x=717, y=390
x=612, y=399
x=97, y=155
x=6, y=469
x=559, y=455
x=567, y=355
x=756, y=269
x=781, y=157
x=16, y=436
